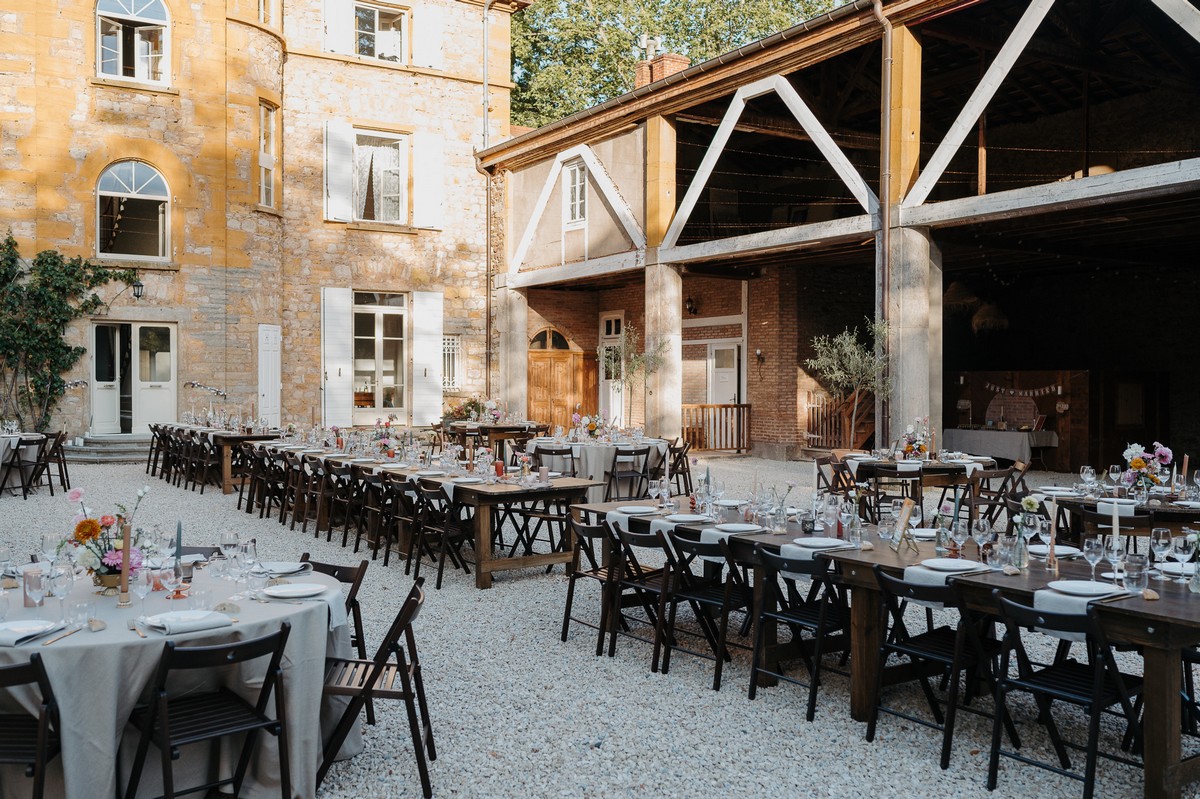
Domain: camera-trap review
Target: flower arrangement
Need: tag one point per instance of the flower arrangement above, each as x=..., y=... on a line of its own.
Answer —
x=98, y=541
x=467, y=409
x=915, y=441
x=383, y=433
x=589, y=424
x=1146, y=468
x=945, y=515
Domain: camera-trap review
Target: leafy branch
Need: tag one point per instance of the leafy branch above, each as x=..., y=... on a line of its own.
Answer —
x=624, y=361
x=847, y=365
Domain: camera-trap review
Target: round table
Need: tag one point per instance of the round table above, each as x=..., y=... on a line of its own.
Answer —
x=8, y=443
x=592, y=458
x=98, y=677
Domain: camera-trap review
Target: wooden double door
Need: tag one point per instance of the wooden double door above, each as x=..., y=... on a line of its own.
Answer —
x=560, y=380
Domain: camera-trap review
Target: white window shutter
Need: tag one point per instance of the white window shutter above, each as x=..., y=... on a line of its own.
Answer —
x=429, y=170
x=339, y=26
x=339, y=171
x=429, y=36
x=427, y=357
x=337, y=407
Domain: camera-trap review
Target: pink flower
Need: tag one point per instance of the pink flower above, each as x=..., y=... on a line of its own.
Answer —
x=947, y=508
x=1162, y=454
x=113, y=558
x=75, y=495
x=107, y=520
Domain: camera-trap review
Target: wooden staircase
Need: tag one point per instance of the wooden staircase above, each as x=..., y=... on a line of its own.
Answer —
x=829, y=422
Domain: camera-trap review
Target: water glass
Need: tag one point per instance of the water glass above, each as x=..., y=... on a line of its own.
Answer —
x=1160, y=545
x=82, y=613
x=1134, y=578
x=200, y=599
x=886, y=528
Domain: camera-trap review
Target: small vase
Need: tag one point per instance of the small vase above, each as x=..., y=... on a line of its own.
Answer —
x=111, y=583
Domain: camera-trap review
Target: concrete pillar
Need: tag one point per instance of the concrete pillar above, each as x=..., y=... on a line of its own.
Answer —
x=915, y=315
x=664, y=322
x=512, y=320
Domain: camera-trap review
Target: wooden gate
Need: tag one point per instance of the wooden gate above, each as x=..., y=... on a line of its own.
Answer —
x=558, y=381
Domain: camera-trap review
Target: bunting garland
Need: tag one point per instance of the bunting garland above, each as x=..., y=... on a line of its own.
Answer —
x=1023, y=392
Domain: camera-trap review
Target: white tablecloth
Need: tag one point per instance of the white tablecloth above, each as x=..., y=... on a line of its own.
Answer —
x=1014, y=445
x=99, y=677
x=7, y=444
x=592, y=459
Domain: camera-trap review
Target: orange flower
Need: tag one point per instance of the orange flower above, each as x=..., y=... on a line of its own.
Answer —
x=1137, y=463
x=87, y=530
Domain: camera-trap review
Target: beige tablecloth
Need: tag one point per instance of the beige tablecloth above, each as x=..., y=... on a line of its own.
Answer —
x=592, y=459
x=1011, y=444
x=99, y=677
x=7, y=444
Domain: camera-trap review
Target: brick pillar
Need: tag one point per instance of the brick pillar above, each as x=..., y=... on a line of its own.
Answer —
x=641, y=74
x=512, y=316
x=664, y=388
x=773, y=385
x=668, y=64
x=915, y=315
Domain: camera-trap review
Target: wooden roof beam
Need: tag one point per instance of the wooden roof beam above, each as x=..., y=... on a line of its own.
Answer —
x=774, y=126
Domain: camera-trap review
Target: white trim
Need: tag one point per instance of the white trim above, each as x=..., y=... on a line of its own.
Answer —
x=596, y=267
x=712, y=321
x=1138, y=183
x=997, y=71
x=1184, y=13
x=812, y=126
x=608, y=191
x=687, y=342
x=791, y=238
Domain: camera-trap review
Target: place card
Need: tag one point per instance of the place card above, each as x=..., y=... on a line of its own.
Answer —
x=904, y=534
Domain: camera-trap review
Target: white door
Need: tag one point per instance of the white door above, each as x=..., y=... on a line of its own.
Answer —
x=269, y=370
x=612, y=398
x=723, y=374
x=106, y=380
x=154, y=375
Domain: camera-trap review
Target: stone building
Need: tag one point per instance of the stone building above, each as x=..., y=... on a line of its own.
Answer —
x=1012, y=184
x=293, y=181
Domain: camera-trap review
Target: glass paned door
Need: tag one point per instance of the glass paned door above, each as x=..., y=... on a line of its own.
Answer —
x=154, y=388
x=106, y=380
x=380, y=364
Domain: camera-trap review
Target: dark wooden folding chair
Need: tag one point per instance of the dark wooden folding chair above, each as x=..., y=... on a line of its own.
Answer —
x=353, y=577
x=172, y=722
x=385, y=678
x=445, y=523
x=628, y=475
x=587, y=560
x=27, y=461
x=30, y=740
x=56, y=457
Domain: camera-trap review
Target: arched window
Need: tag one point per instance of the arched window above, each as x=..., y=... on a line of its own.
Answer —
x=132, y=38
x=549, y=339
x=132, y=204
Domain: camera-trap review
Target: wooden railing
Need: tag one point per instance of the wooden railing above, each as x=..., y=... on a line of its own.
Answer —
x=717, y=427
x=829, y=421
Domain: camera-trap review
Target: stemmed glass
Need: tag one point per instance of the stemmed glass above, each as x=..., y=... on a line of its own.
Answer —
x=230, y=542
x=959, y=534
x=1029, y=528
x=143, y=584
x=1043, y=532
x=50, y=543
x=897, y=508
x=1093, y=553
x=1088, y=475
x=1182, y=549
x=1114, y=553
x=166, y=544
x=1114, y=473
x=716, y=493
x=1160, y=545
x=249, y=553
x=664, y=492
x=846, y=513
x=35, y=585
x=652, y=490
x=62, y=577
x=981, y=531
x=5, y=559
x=172, y=577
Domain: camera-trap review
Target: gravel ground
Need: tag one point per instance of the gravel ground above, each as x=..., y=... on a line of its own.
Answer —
x=518, y=713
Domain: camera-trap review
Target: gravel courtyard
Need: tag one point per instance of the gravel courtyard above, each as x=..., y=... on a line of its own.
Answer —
x=518, y=713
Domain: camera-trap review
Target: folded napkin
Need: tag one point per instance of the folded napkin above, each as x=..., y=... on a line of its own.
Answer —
x=1057, y=602
x=658, y=525
x=617, y=519
x=175, y=622
x=921, y=575
x=16, y=638
x=195, y=557
x=797, y=552
x=711, y=535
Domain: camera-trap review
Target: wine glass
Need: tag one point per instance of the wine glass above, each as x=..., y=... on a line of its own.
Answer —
x=1043, y=532
x=959, y=534
x=166, y=544
x=897, y=508
x=652, y=490
x=62, y=577
x=249, y=550
x=172, y=577
x=1093, y=552
x=35, y=585
x=50, y=544
x=1114, y=474
x=664, y=491
x=1160, y=545
x=981, y=531
x=846, y=514
x=1114, y=553
x=1088, y=475
x=143, y=584
x=5, y=558
x=1182, y=549
x=230, y=541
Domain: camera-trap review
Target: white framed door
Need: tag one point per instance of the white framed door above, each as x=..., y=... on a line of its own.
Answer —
x=724, y=374
x=106, y=380
x=155, y=347
x=611, y=402
x=270, y=368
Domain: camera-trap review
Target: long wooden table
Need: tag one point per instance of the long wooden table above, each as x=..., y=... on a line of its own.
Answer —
x=1162, y=512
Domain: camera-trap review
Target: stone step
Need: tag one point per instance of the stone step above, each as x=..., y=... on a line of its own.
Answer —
x=109, y=449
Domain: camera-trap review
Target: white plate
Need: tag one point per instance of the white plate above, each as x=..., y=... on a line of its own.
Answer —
x=1187, y=503
x=430, y=473
x=924, y=533
x=861, y=458
x=1160, y=489
x=738, y=527
x=1060, y=550
x=636, y=510
x=682, y=518
x=24, y=627
x=1082, y=587
x=285, y=566
x=730, y=503
x=817, y=542
x=294, y=590
x=554, y=474
x=951, y=564
x=1118, y=501
x=467, y=480
x=1055, y=490
x=1177, y=569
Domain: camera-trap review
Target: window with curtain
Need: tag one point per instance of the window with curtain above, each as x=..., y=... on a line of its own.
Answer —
x=379, y=32
x=381, y=175
x=132, y=40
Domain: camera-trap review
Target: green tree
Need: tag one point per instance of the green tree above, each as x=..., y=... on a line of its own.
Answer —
x=626, y=362
x=36, y=308
x=572, y=54
x=850, y=366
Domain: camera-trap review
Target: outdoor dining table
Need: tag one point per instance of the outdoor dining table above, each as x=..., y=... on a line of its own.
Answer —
x=490, y=433
x=98, y=677
x=226, y=441
x=594, y=457
x=7, y=444
x=1163, y=510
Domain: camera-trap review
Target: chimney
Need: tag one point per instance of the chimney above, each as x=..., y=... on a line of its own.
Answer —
x=661, y=66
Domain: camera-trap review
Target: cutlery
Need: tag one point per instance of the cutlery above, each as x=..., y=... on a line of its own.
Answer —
x=62, y=635
x=1113, y=598
x=133, y=626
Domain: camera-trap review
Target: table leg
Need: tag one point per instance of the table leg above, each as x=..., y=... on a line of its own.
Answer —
x=483, y=546
x=866, y=636
x=226, y=469
x=1163, y=674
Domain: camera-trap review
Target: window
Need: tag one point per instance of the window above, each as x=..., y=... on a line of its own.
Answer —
x=575, y=188
x=451, y=362
x=379, y=358
x=379, y=33
x=132, y=202
x=266, y=11
x=132, y=39
x=266, y=154
x=381, y=177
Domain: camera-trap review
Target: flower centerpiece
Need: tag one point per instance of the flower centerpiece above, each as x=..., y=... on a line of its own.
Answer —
x=464, y=410
x=384, y=439
x=1146, y=468
x=98, y=542
x=586, y=423
x=915, y=441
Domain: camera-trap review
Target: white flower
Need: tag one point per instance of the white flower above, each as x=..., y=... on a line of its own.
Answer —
x=87, y=559
x=141, y=492
x=1133, y=451
x=910, y=429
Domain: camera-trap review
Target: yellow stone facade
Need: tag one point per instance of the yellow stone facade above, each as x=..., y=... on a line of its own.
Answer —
x=232, y=263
